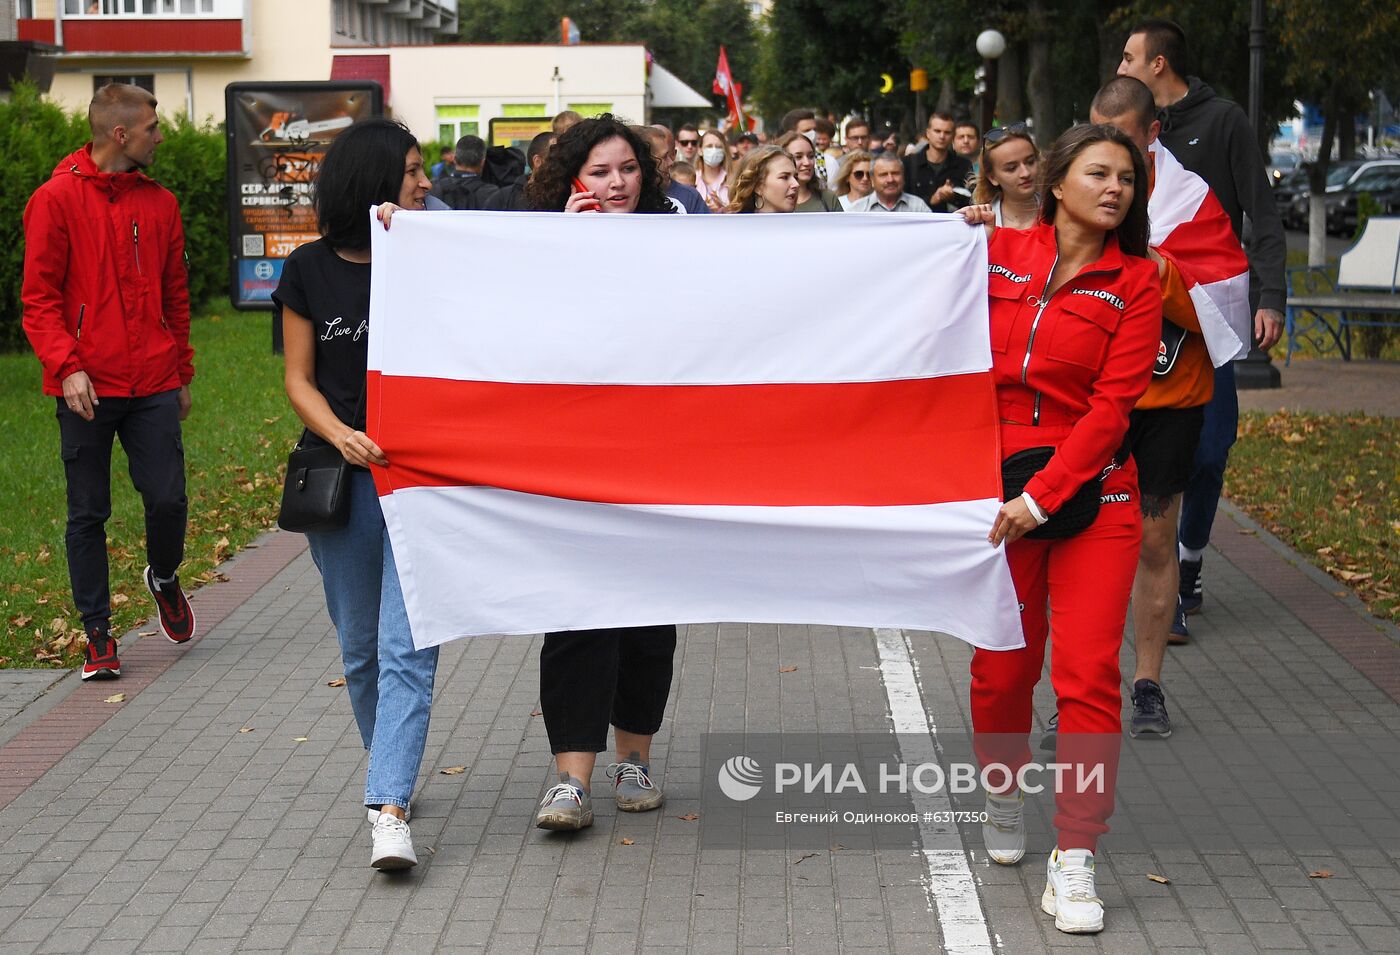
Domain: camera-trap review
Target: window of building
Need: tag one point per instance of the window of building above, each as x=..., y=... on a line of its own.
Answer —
x=151, y=8
x=456, y=121
x=147, y=81
x=25, y=10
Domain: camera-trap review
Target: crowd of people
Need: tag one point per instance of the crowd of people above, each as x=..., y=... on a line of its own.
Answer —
x=1100, y=448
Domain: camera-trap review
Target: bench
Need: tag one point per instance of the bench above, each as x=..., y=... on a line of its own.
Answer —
x=1363, y=289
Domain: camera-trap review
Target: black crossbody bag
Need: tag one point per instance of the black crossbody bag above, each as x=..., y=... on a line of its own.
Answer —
x=316, y=495
x=1076, y=514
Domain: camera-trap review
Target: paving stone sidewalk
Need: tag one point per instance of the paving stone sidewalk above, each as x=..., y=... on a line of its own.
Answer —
x=217, y=808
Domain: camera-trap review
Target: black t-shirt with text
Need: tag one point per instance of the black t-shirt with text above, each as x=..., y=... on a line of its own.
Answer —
x=333, y=294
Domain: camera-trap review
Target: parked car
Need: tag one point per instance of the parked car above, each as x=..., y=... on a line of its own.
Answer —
x=1381, y=182
x=1281, y=164
x=1338, y=172
x=1290, y=187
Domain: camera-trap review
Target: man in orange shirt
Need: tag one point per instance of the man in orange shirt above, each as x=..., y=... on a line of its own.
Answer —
x=1163, y=431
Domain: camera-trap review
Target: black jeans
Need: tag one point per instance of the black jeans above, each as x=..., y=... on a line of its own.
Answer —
x=589, y=678
x=149, y=429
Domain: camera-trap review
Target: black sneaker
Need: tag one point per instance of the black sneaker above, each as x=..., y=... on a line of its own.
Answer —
x=100, y=661
x=1052, y=733
x=172, y=607
x=1190, y=586
x=1149, y=711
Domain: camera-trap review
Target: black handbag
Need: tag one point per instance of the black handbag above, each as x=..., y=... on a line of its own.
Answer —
x=1075, y=515
x=316, y=495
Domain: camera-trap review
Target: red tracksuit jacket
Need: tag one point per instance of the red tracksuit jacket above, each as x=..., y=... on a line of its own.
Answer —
x=106, y=249
x=1069, y=369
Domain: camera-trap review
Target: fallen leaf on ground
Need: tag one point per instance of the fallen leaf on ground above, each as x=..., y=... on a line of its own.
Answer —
x=786, y=669
x=804, y=857
x=116, y=698
x=1352, y=576
x=245, y=729
x=1159, y=878
x=337, y=682
x=1293, y=438
x=1246, y=530
x=627, y=842
x=1320, y=874
x=453, y=770
x=117, y=599
x=536, y=713
x=148, y=633
x=300, y=739
x=689, y=817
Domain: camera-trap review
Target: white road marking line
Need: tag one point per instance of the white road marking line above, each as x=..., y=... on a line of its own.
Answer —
x=950, y=886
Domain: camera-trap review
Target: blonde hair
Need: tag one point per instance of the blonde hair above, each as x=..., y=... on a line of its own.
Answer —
x=752, y=173
x=986, y=190
x=848, y=165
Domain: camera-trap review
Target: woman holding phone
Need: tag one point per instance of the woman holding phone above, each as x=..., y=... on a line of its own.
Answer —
x=622, y=676
x=324, y=291
x=1076, y=314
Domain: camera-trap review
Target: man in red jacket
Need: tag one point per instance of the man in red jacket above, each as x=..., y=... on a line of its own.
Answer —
x=106, y=308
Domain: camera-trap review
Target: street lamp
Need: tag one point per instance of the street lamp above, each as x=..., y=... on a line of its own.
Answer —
x=990, y=45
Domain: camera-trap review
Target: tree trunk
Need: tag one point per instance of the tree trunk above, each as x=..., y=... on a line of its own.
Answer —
x=1040, y=85
x=1317, y=185
x=1011, y=104
x=1110, y=40
x=1346, y=133
x=946, y=94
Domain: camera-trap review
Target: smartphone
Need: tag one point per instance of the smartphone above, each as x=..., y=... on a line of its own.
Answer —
x=580, y=187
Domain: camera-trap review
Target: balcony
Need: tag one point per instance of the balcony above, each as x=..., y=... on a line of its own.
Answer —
x=153, y=28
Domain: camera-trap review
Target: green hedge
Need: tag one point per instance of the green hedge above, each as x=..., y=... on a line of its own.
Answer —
x=35, y=134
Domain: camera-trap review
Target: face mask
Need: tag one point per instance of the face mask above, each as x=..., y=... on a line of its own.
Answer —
x=713, y=155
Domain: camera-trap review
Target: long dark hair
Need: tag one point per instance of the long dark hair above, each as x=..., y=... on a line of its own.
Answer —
x=550, y=186
x=1054, y=166
x=363, y=167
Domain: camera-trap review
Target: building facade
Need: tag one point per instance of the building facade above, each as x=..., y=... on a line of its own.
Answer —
x=187, y=51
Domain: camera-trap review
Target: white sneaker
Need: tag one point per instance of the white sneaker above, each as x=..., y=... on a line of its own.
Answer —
x=393, y=844
x=1004, y=832
x=1070, y=894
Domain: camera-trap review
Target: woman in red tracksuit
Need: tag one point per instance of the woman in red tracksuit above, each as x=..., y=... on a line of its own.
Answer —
x=1076, y=315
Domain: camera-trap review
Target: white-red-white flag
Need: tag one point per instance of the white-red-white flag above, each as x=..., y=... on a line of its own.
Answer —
x=568, y=449
x=1190, y=225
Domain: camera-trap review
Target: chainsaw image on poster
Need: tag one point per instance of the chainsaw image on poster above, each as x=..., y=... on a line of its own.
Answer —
x=301, y=132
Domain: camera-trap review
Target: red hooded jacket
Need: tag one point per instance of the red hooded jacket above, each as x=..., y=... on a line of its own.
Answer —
x=105, y=288
x=1068, y=370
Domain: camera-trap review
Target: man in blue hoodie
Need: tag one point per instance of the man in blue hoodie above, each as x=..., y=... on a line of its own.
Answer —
x=1213, y=138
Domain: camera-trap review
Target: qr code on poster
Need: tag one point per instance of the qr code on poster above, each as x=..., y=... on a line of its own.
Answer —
x=253, y=245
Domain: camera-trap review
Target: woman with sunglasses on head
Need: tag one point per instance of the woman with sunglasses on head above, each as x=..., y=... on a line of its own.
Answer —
x=323, y=298
x=1006, y=176
x=713, y=174
x=766, y=182
x=811, y=197
x=853, y=181
x=1076, y=313
x=622, y=675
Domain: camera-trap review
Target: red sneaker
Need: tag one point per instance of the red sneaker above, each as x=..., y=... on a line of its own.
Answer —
x=172, y=607
x=101, y=661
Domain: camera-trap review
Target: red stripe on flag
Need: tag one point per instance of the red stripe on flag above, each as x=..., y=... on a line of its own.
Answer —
x=923, y=441
x=1206, y=247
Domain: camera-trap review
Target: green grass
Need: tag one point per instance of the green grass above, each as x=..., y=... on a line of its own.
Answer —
x=1329, y=486
x=236, y=443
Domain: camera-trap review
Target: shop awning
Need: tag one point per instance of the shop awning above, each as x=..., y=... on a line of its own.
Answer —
x=668, y=92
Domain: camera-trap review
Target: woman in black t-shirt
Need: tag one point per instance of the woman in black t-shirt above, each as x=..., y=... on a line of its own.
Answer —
x=323, y=298
x=622, y=676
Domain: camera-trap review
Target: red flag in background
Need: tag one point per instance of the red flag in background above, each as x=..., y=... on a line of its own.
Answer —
x=732, y=92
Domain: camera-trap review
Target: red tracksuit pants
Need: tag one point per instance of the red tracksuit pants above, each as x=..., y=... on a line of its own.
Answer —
x=1080, y=587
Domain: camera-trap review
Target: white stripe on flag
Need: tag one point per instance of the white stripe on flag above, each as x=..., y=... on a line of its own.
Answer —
x=607, y=299
x=519, y=563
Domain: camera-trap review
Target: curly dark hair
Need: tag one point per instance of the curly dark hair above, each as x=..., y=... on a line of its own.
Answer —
x=1054, y=167
x=549, y=188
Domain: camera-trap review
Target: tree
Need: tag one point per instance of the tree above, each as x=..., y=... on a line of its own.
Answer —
x=828, y=54
x=1336, y=54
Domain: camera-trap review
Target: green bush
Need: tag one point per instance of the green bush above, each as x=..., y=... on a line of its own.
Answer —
x=35, y=134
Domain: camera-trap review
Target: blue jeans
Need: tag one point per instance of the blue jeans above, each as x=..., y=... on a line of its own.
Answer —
x=1222, y=420
x=390, y=683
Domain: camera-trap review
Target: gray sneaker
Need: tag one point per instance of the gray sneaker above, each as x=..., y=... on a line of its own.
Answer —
x=632, y=786
x=566, y=806
x=1149, y=712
